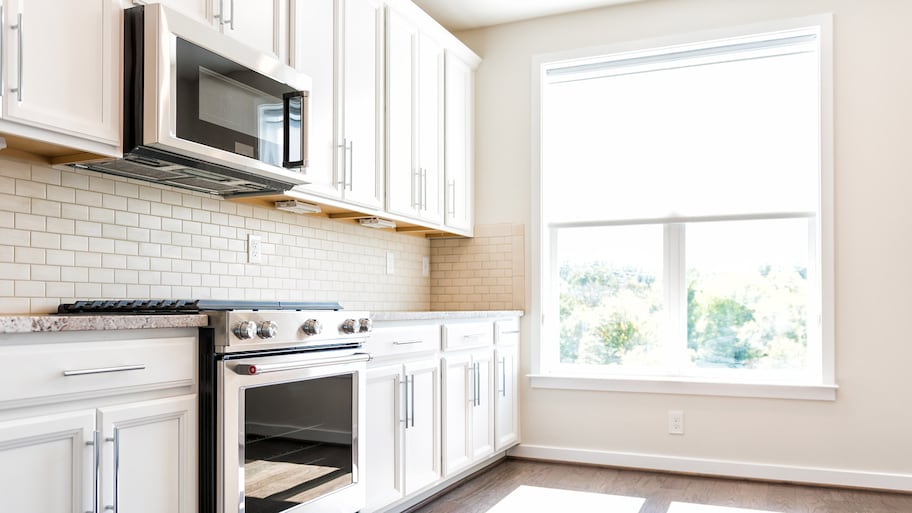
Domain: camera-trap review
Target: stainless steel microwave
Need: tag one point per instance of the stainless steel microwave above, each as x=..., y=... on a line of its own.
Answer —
x=205, y=112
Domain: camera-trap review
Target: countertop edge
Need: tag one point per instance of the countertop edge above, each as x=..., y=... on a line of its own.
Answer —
x=444, y=315
x=54, y=323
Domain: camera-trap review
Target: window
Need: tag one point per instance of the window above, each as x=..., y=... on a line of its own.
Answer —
x=684, y=213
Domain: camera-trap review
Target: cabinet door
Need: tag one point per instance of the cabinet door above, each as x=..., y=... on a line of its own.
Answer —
x=482, y=414
x=458, y=390
x=47, y=463
x=506, y=407
x=362, y=103
x=403, y=176
x=458, y=144
x=261, y=24
x=78, y=94
x=422, y=427
x=316, y=23
x=200, y=10
x=383, y=466
x=149, y=456
x=430, y=127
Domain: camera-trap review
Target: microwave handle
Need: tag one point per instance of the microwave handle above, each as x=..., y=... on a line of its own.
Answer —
x=286, y=129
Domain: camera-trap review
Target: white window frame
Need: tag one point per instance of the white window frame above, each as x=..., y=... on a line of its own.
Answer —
x=825, y=389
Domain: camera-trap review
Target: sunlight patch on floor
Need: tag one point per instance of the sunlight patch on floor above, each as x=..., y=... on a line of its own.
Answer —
x=533, y=499
x=687, y=507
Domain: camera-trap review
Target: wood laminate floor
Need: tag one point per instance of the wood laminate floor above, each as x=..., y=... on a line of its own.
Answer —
x=518, y=486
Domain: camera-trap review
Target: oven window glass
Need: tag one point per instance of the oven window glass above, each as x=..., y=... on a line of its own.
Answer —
x=226, y=106
x=297, y=442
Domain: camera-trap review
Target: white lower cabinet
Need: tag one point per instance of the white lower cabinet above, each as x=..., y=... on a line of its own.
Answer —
x=46, y=463
x=403, y=409
x=148, y=451
x=468, y=418
x=441, y=403
x=104, y=425
x=506, y=405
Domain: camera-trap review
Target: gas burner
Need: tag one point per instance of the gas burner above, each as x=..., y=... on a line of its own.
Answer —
x=184, y=306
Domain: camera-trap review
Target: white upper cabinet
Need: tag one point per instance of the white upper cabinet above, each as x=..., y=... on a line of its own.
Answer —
x=260, y=24
x=459, y=104
x=415, y=112
x=61, y=66
x=346, y=136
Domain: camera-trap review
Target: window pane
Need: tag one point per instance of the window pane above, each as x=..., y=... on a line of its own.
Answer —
x=748, y=294
x=610, y=281
x=727, y=138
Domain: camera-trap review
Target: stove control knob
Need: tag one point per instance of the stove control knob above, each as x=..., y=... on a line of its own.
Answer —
x=245, y=330
x=350, y=326
x=312, y=327
x=267, y=329
x=366, y=325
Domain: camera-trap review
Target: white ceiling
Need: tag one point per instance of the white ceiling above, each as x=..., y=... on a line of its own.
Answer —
x=466, y=14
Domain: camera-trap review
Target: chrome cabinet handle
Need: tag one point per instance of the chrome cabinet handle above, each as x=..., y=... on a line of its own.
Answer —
x=472, y=384
x=95, y=468
x=451, y=190
x=116, y=439
x=347, y=148
x=2, y=45
x=413, y=400
x=406, y=342
x=351, y=165
x=503, y=376
x=231, y=21
x=473, y=336
x=477, y=384
x=416, y=184
x=18, y=88
x=344, y=148
x=511, y=332
x=103, y=370
x=404, y=385
x=424, y=189
x=254, y=369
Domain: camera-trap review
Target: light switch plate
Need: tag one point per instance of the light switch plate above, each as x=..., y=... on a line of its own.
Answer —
x=425, y=266
x=390, y=263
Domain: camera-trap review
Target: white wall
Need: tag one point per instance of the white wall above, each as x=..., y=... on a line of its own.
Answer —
x=868, y=428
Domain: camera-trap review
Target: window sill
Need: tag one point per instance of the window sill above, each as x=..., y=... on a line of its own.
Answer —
x=684, y=386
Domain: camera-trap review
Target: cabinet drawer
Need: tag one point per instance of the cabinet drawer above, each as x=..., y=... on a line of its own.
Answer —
x=50, y=372
x=506, y=332
x=396, y=340
x=467, y=334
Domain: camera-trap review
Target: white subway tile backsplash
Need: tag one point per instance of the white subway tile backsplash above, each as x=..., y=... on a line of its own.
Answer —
x=78, y=234
x=48, y=240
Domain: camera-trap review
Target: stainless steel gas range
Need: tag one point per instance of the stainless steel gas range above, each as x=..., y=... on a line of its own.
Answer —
x=281, y=389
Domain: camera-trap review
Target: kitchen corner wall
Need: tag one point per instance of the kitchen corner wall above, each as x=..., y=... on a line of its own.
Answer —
x=486, y=272
x=68, y=234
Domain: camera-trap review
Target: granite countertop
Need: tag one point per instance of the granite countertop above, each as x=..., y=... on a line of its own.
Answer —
x=49, y=323
x=444, y=315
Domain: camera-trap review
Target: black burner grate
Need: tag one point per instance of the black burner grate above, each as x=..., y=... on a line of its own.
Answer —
x=178, y=306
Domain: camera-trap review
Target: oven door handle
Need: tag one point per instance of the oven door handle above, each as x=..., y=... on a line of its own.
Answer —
x=245, y=369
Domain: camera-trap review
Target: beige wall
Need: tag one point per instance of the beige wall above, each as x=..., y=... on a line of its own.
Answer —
x=868, y=427
x=80, y=234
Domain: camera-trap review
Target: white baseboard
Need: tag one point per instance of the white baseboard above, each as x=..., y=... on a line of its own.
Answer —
x=762, y=471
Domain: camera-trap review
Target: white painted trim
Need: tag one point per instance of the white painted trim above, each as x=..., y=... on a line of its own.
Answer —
x=680, y=386
x=723, y=468
x=538, y=297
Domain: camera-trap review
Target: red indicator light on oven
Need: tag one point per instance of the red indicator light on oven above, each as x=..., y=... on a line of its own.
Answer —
x=251, y=369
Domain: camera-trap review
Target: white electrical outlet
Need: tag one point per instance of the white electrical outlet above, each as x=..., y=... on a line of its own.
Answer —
x=675, y=422
x=390, y=263
x=254, y=249
x=425, y=266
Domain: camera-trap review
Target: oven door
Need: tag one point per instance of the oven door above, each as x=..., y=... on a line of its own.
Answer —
x=289, y=433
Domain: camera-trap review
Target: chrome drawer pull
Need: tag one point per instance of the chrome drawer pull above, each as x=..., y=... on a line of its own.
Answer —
x=406, y=342
x=513, y=332
x=103, y=370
